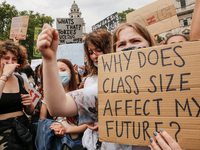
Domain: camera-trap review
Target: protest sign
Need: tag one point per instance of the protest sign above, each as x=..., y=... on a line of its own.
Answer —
x=35, y=50
x=72, y=52
x=157, y=17
x=34, y=94
x=109, y=23
x=70, y=30
x=145, y=90
x=19, y=27
x=35, y=63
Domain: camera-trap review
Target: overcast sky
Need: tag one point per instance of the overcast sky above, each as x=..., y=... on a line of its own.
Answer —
x=92, y=11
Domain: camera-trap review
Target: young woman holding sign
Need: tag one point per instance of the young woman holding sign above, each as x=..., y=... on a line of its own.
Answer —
x=81, y=102
x=14, y=97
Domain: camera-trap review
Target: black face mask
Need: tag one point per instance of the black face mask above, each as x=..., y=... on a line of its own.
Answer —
x=132, y=48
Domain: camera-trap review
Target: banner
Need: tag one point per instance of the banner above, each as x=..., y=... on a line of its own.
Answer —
x=70, y=30
x=34, y=94
x=145, y=90
x=72, y=52
x=19, y=27
x=35, y=50
x=109, y=23
x=35, y=63
x=157, y=17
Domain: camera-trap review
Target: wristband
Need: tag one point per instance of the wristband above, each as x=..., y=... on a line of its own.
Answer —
x=5, y=75
x=2, y=79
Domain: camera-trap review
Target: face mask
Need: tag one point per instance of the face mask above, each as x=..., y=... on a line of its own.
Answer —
x=64, y=77
x=95, y=64
x=38, y=80
x=81, y=71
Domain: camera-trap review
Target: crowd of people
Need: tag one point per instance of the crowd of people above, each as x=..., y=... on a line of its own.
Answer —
x=66, y=116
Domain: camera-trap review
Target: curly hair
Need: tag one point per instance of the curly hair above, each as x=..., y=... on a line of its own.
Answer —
x=101, y=39
x=18, y=50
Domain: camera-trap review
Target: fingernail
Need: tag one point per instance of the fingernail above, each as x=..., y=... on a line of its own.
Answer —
x=149, y=147
x=155, y=133
x=161, y=130
x=151, y=140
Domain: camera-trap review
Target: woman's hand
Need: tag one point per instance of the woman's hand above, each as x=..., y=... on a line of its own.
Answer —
x=26, y=99
x=47, y=42
x=8, y=69
x=93, y=126
x=165, y=142
x=58, y=128
x=75, y=68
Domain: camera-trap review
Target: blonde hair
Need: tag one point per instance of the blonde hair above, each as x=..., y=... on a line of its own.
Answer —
x=139, y=29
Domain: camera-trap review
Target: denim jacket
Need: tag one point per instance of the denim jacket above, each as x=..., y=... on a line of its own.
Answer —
x=47, y=140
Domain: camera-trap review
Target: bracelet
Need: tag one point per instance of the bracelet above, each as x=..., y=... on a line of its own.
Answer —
x=5, y=75
x=2, y=79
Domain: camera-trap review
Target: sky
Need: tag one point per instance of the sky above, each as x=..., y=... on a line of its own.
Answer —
x=92, y=11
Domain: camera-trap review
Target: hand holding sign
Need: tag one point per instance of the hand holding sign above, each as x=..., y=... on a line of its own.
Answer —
x=47, y=42
x=162, y=140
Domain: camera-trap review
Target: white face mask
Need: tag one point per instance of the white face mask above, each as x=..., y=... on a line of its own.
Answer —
x=64, y=77
x=95, y=64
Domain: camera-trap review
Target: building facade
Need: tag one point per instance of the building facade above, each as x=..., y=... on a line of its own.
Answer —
x=75, y=13
x=184, y=10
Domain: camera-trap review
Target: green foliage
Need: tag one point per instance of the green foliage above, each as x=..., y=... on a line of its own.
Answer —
x=159, y=39
x=122, y=15
x=7, y=12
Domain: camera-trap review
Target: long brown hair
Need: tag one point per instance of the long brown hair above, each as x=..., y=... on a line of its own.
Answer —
x=139, y=29
x=101, y=39
x=72, y=82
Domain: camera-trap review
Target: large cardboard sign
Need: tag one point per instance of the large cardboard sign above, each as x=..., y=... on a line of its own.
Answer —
x=109, y=23
x=158, y=17
x=36, y=52
x=145, y=90
x=19, y=27
x=72, y=52
x=70, y=30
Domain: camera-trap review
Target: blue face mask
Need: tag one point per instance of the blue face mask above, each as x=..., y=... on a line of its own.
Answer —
x=95, y=64
x=64, y=77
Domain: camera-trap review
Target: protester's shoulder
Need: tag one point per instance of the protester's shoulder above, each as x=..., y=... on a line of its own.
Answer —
x=91, y=80
x=77, y=94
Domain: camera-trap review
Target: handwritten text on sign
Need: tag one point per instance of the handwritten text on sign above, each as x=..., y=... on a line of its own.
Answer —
x=108, y=23
x=146, y=90
x=19, y=27
x=70, y=30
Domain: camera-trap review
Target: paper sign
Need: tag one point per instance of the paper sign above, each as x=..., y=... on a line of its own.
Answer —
x=145, y=90
x=70, y=30
x=34, y=94
x=35, y=50
x=72, y=52
x=35, y=63
x=157, y=17
x=19, y=27
x=109, y=23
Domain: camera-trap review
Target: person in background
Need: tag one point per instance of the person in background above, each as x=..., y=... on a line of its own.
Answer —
x=14, y=98
x=37, y=77
x=176, y=38
x=30, y=74
x=64, y=128
x=82, y=102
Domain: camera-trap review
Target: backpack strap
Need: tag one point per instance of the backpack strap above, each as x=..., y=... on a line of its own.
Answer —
x=20, y=79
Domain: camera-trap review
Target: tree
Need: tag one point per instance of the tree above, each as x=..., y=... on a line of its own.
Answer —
x=7, y=12
x=122, y=15
x=160, y=38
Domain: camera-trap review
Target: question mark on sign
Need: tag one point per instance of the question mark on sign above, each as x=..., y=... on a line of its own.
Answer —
x=179, y=129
